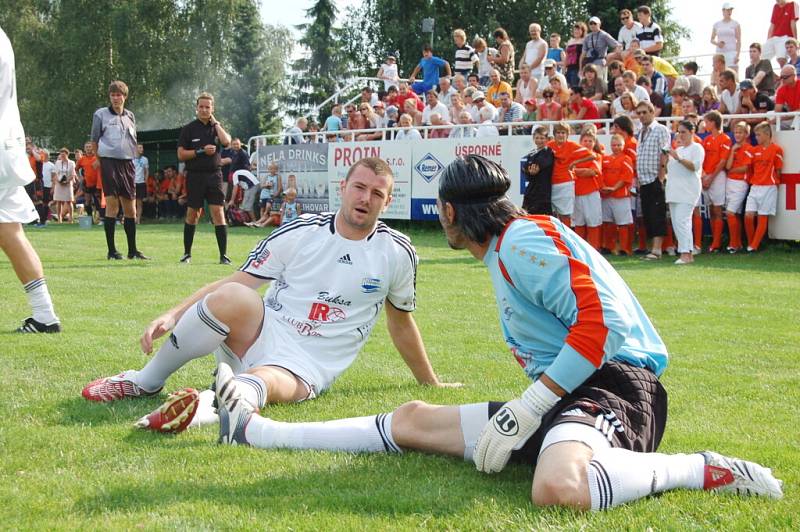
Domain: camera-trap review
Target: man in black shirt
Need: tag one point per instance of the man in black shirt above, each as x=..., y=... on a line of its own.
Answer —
x=199, y=146
x=233, y=159
x=537, y=168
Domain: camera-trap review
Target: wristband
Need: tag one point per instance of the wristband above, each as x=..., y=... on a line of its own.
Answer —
x=199, y=151
x=539, y=399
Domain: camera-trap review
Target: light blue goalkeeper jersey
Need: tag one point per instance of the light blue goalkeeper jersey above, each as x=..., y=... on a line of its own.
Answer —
x=563, y=308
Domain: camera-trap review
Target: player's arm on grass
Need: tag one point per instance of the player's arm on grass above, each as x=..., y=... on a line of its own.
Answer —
x=597, y=326
x=408, y=341
x=164, y=323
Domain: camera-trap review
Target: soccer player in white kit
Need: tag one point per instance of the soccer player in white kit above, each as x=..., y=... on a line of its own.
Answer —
x=16, y=207
x=331, y=273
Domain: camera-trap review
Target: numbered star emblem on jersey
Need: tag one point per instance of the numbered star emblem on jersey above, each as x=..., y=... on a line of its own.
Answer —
x=506, y=422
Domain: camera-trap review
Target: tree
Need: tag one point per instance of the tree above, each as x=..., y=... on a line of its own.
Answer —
x=165, y=50
x=316, y=75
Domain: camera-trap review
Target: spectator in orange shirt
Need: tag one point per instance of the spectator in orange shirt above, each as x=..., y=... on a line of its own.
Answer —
x=717, y=146
x=588, y=212
x=618, y=173
x=762, y=201
x=738, y=166
x=89, y=169
x=567, y=154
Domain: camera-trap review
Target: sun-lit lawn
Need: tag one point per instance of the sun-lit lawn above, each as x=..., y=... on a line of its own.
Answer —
x=730, y=322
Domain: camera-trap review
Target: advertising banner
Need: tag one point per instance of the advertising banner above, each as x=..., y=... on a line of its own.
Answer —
x=303, y=167
x=785, y=225
x=396, y=153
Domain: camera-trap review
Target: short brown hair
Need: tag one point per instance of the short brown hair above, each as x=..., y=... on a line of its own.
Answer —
x=728, y=74
x=765, y=127
x=377, y=165
x=647, y=105
x=204, y=96
x=644, y=9
x=562, y=126
x=715, y=117
x=756, y=45
x=118, y=87
x=625, y=12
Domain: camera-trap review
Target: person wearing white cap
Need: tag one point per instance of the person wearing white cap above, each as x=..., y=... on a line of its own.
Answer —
x=726, y=35
x=550, y=72
x=388, y=72
x=595, y=47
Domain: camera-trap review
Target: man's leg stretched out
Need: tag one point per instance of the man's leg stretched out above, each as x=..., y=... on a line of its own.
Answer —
x=578, y=461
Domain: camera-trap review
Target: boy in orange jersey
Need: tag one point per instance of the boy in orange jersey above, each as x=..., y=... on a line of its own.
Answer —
x=588, y=214
x=89, y=168
x=618, y=172
x=763, y=197
x=623, y=125
x=717, y=146
x=738, y=167
x=567, y=154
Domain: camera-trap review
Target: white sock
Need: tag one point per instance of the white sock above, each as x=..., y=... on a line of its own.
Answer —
x=196, y=334
x=252, y=389
x=41, y=304
x=371, y=434
x=617, y=476
x=206, y=413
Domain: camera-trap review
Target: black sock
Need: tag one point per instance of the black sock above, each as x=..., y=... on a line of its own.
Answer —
x=222, y=239
x=108, y=224
x=102, y=212
x=130, y=231
x=188, y=237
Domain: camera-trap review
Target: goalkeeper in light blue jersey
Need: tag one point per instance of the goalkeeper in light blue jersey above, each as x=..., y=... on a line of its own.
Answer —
x=595, y=412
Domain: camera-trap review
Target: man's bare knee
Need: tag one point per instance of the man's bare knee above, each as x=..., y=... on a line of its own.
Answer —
x=560, y=477
x=234, y=300
x=405, y=422
x=558, y=492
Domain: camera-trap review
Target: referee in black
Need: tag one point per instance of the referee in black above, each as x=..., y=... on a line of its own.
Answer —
x=199, y=146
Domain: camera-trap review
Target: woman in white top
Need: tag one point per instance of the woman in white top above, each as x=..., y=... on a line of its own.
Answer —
x=62, y=186
x=526, y=86
x=684, y=166
x=726, y=35
x=388, y=73
x=405, y=131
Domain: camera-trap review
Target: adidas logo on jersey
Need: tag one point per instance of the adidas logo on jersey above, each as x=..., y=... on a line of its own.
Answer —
x=345, y=259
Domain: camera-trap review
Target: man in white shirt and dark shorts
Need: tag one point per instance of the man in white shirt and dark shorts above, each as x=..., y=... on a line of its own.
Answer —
x=331, y=273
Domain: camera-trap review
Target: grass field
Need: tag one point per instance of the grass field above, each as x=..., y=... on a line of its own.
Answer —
x=731, y=325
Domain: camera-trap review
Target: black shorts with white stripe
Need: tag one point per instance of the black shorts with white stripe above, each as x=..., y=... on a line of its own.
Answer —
x=628, y=405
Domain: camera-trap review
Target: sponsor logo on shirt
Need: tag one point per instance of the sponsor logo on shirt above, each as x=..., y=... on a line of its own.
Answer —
x=324, y=313
x=370, y=285
x=334, y=299
x=429, y=167
x=260, y=259
x=345, y=259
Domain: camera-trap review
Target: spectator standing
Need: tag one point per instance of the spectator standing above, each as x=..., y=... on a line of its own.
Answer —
x=630, y=29
x=556, y=53
x=429, y=65
x=114, y=140
x=87, y=167
x=199, y=146
x=233, y=159
x=588, y=211
x=48, y=179
x=574, y=51
x=717, y=146
x=762, y=199
x=290, y=209
x=334, y=122
x=782, y=26
x=535, y=51
x=567, y=154
x=484, y=65
x=596, y=46
x=142, y=170
x=504, y=60
x=388, y=72
x=650, y=36
x=760, y=71
x=650, y=169
x=62, y=186
x=683, y=188
x=466, y=59
x=726, y=35
x=537, y=171
x=617, y=179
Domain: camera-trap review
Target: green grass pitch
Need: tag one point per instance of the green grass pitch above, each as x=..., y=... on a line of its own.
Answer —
x=731, y=323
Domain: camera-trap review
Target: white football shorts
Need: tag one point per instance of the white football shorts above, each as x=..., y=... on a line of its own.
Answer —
x=588, y=210
x=16, y=206
x=762, y=199
x=735, y=195
x=562, y=197
x=617, y=211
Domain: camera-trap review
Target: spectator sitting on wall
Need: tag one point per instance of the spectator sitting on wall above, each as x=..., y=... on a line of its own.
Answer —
x=429, y=65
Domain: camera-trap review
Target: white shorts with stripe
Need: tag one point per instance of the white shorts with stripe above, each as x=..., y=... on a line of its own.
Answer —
x=715, y=194
x=16, y=206
x=588, y=210
x=735, y=195
x=562, y=197
x=762, y=199
x=617, y=211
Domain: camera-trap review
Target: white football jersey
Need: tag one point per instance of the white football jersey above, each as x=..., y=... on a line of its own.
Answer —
x=328, y=291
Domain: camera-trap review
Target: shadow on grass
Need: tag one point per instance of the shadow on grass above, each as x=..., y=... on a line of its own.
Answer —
x=79, y=411
x=322, y=483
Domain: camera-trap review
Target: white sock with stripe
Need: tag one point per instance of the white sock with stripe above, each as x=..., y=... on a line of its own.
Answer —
x=370, y=434
x=196, y=334
x=39, y=299
x=252, y=389
x=206, y=413
x=617, y=476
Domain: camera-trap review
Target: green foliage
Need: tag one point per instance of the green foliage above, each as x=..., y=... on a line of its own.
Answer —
x=165, y=50
x=730, y=323
x=379, y=26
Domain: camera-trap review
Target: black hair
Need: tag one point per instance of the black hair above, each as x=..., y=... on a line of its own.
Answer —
x=688, y=124
x=476, y=188
x=692, y=67
x=624, y=123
